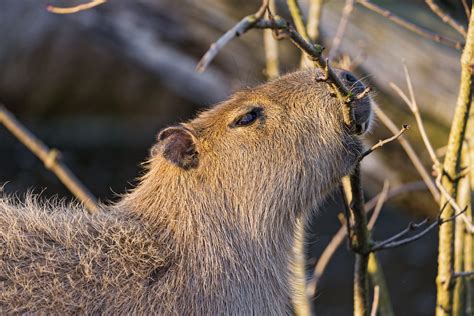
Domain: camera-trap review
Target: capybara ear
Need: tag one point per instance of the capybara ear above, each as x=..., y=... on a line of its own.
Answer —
x=177, y=144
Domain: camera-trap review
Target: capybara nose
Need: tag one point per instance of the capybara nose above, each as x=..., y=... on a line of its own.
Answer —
x=361, y=104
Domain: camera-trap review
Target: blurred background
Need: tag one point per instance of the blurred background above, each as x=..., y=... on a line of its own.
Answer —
x=98, y=85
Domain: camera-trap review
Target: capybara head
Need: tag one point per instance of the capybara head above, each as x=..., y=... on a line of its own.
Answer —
x=281, y=143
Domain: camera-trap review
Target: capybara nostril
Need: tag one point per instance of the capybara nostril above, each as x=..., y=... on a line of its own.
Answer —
x=350, y=78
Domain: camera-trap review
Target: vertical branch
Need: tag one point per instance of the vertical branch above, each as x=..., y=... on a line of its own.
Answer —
x=336, y=42
x=312, y=27
x=463, y=200
x=314, y=17
x=450, y=171
x=50, y=158
x=297, y=17
x=469, y=238
x=359, y=241
x=378, y=279
x=272, y=68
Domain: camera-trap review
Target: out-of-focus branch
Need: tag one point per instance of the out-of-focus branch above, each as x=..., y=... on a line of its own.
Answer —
x=314, y=18
x=312, y=27
x=272, y=69
x=446, y=17
x=51, y=159
x=410, y=152
x=336, y=42
x=297, y=17
x=466, y=8
x=75, y=9
x=409, y=25
x=375, y=302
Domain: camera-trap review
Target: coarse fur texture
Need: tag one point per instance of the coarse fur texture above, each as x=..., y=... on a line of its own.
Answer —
x=210, y=227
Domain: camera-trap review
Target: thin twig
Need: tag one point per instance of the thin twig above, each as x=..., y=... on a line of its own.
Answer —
x=466, y=8
x=75, y=9
x=272, y=69
x=410, y=153
x=336, y=42
x=312, y=27
x=446, y=18
x=338, y=238
x=50, y=157
x=410, y=26
x=297, y=17
x=463, y=274
x=240, y=28
x=404, y=128
x=314, y=18
x=393, y=242
x=375, y=302
x=378, y=207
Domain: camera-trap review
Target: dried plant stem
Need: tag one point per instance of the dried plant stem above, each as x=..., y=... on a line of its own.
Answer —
x=50, y=157
x=410, y=26
x=297, y=17
x=336, y=42
x=312, y=28
x=446, y=17
x=385, y=141
x=377, y=279
x=272, y=69
x=75, y=9
x=314, y=18
x=410, y=152
x=451, y=169
x=359, y=240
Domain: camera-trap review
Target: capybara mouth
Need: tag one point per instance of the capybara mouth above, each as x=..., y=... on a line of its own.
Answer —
x=362, y=106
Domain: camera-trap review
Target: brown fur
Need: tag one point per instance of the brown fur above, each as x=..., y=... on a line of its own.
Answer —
x=209, y=230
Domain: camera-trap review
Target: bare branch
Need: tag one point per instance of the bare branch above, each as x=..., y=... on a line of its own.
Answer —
x=375, y=302
x=378, y=207
x=297, y=17
x=466, y=8
x=410, y=152
x=416, y=112
x=314, y=17
x=393, y=242
x=410, y=26
x=463, y=274
x=272, y=69
x=405, y=127
x=338, y=238
x=240, y=28
x=336, y=42
x=50, y=158
x=446, y=18
x=75, y=9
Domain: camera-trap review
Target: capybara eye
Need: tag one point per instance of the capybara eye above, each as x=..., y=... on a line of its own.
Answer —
x=247, y=119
